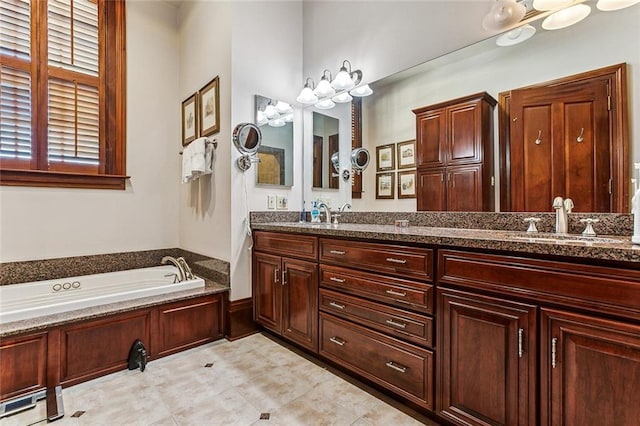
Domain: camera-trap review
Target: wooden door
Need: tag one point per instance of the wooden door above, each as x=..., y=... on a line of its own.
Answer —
x=267, y=291
x=300, y=302
x=560, y=146
x=590, y=370
x=317, y=161
x=431, y=127
x=486, y=360
x=464, y=188
x=334, y=146
x=431, y=190
x=464, y=132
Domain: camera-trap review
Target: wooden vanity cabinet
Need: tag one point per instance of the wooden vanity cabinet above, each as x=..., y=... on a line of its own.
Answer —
x=23, y=365
x=285, y=289
x=454, y=144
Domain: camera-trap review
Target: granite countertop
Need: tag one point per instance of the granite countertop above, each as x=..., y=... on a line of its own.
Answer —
x=48, y=321
x=612, y=248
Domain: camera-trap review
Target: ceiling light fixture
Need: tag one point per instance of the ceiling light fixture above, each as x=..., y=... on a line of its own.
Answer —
x=610, y=5
x=503, y=14
x=566, y=17
x=516, y=36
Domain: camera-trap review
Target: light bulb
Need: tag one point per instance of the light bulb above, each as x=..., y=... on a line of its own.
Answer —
x=307, y=96
x=325, y=104
x=342, y=98
x=361, y=91
x=566, y=17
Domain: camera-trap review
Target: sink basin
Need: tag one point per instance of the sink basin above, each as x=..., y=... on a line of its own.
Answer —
x=566, y=239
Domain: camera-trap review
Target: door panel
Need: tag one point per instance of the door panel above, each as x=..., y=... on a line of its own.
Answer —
x=431, y=190
x=537, y=164
x=300, y=303
x=465, y=189
x=431, y=139
x=267, y=291
x=464, y=145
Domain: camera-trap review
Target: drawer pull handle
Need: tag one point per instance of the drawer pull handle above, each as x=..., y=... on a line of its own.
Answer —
x=554, y=351
x=275, y=276
x=337, y=305
x=338, y=341
x=396, y=293
x=338, y=280
x=520, y=343
x=394, y=260
x=396, y=323
x=340, y=252
x=396, y=367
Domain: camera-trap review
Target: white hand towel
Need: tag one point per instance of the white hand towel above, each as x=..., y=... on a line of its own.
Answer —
x=194, y=160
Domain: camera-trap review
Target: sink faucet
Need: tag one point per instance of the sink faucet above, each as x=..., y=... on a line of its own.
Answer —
x=327, y=211
x=563, y=208
x=344, y=207
x=185, y=267
x=177, y=264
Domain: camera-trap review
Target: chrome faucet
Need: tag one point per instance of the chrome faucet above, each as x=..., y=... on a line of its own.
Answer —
x=185, y=267
x=327, y=211
x=344, y=207
x=177, y=264
x=563, y=208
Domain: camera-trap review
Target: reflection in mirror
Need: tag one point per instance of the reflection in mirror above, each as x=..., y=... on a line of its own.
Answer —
x=275, y=120
x=325, y=149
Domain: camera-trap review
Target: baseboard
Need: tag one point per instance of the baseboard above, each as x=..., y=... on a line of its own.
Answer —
x=239, y=322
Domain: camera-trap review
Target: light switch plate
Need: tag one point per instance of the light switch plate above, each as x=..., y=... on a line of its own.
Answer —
x=271, y=202
x=282, y=202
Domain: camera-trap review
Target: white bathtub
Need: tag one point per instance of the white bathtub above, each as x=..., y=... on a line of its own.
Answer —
x=35, y=299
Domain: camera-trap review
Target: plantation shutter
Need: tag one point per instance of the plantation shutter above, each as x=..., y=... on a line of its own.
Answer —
x=15, y=80
x=73, y=95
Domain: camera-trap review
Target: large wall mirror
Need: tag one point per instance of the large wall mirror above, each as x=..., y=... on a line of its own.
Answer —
x=326, y=143
x=594, y=43
x=275, y=120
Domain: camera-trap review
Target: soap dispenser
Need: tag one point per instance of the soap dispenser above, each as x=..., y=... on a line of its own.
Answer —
x=315, y=213
x=635, y=208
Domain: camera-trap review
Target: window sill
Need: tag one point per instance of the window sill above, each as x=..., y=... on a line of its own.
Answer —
x=39, y=178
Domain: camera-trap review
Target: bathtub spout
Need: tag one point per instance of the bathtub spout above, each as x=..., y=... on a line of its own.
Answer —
x=185, y=267
x=177, y=264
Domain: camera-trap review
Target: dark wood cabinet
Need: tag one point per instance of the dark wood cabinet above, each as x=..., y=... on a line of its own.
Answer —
x=487, y=360
x=285, y=289
x=454, y=144
x=590, y=370
x=23, y=365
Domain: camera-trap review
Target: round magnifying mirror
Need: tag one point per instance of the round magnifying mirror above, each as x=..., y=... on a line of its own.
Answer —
x=335, y=160
x=247, y=138
x=360, y=159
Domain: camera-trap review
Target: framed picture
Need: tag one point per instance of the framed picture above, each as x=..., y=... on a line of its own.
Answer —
x=385, y=158
x=385, y=186
x=209, y=107
x=406, y=154
x=189, y=119
x=407, y=184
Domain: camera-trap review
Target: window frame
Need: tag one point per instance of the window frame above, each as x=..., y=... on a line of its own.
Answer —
x=112, y=100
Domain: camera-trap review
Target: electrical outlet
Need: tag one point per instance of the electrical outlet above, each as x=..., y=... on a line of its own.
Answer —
x=282, y=202
x=271, y=202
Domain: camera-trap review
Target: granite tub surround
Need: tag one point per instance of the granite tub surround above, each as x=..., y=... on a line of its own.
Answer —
x=48, y=269
x=506, y=241
x=610, y=223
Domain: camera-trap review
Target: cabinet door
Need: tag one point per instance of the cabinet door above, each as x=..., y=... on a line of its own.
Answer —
x=431, y=129
x=23, y=365
x=267, y=291
x=464, y=189
x=487, y=360
x=431, y=190
x=590, y=370
x=300, y=302
x=464, y=144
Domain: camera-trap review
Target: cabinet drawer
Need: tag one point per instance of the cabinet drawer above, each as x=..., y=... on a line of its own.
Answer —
x=407, y=262
x=403, y=324
x=301, y=246
x=395, y=291
x=405, y=369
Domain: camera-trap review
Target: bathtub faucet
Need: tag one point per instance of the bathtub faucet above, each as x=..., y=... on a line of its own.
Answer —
x=175, y=262
x=185, y=267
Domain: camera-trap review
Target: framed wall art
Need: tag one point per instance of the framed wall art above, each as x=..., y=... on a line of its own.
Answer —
x=385, y=157
x=407, y=184
x=385, y=186
x=209, y=103
x=189, y=119
x=406, y=154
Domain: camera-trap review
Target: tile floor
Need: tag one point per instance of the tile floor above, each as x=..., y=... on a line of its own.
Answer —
x=249, y=377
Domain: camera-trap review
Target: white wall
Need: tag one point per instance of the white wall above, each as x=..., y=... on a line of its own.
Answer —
x=40, y=223
x=601, y=40
x=205, y=52
x=266, y=60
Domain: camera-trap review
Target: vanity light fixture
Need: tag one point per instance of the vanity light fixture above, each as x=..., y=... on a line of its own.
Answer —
x=610, y=5
x=503, y=14
x=283, y=107
x=344, y=78
x=261, y=119
x=324, y=88
x=271, y=112
x=550, y=4
x=325, y=104
x=278, y=122
x=515, y=36
x=307, y=96
x=342, y=98
x=566, y=17
x=362, y=91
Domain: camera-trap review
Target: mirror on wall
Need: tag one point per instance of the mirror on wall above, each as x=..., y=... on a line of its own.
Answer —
x=275, y=120
x=387, y=116
x=326, y=147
